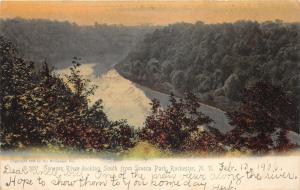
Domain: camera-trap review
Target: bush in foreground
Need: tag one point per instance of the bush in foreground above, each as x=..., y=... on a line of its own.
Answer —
x=263, y=119
x=40, y=109
x=180, y=127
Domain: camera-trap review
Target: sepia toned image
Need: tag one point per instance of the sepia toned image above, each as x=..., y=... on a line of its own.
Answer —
x=116, y=81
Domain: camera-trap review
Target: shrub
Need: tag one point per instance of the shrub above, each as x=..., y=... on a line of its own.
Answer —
x=178, y=127
x=263, y=118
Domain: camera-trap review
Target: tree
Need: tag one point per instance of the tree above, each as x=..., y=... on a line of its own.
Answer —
x=203, y=58
x=180, y=127
x=38, y=108
x=17, y=78
x=266, y=111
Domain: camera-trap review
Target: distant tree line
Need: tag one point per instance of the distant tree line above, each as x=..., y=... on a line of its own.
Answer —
x=38, y=39
x=217, y=61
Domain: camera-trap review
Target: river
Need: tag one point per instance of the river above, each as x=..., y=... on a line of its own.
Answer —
x=123, y=99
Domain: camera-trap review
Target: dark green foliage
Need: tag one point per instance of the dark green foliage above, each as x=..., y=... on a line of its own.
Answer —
x=217, y=60
x=59, y=41
x=39, y=108
x=266, y=114
x=17, y=79
x=181, y=127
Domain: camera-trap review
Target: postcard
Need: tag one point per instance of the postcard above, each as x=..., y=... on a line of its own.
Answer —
x=161, y=94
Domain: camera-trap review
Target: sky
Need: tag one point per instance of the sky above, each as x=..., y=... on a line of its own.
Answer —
x=153, y=12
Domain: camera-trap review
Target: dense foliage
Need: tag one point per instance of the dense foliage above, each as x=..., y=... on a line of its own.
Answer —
x=58, y=41
x=181, y=127
x=213, y=62
x=217, y=61
x=41, y=109
x=263, y=119
x=262, y=123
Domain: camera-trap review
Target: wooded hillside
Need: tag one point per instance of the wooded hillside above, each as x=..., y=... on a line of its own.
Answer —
x=217, y=61
x=60, y=41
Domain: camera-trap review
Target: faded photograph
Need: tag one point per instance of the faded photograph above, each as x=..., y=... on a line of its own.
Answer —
x=150, y=79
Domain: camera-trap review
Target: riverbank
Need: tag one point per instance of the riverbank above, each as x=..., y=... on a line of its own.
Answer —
x=125, y=99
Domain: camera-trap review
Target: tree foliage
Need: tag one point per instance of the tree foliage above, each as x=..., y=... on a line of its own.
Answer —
x=217, y=61
x=214, y=62
x=60, y=41
x=266, y=113
x=38, y=108
x=181, y=127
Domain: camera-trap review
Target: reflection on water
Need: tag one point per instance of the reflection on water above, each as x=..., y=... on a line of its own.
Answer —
x=121, y=98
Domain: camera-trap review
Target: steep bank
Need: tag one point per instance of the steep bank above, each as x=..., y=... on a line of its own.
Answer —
x=218, y=115
x=216, y=61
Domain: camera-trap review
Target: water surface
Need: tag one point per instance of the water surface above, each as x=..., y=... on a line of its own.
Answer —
x=123, y=99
